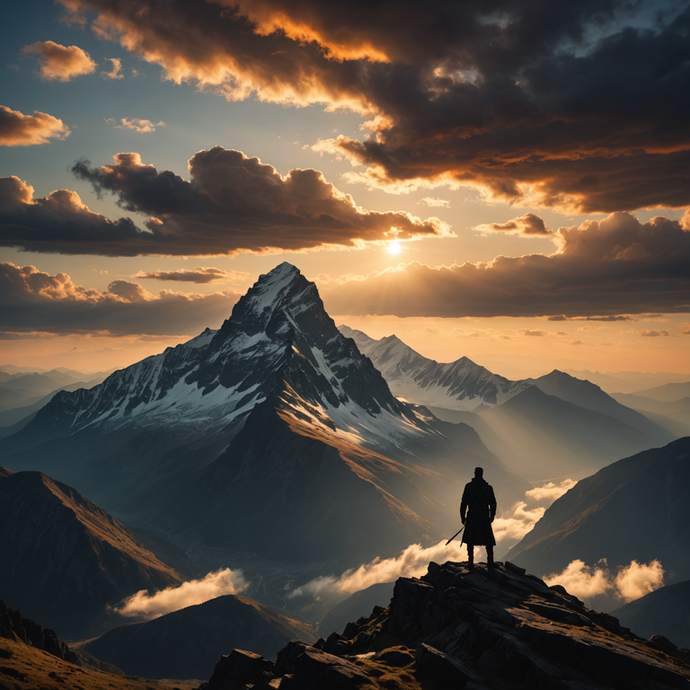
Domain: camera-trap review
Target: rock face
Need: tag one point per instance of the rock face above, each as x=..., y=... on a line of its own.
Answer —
x=188, y=642
x=63, y=559
x=635, y=509
x=13, y=626
x=484, y=629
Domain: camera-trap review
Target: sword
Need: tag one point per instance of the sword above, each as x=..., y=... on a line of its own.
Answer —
x=455, y=535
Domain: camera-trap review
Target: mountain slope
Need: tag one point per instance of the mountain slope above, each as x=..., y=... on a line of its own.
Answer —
x=63, y=559
x=663, y=612
x=635, y=509
x=189, y=642
x=591, y=397
x=548, y=434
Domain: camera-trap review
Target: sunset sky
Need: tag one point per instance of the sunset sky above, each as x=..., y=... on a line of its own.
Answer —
x=507, y=181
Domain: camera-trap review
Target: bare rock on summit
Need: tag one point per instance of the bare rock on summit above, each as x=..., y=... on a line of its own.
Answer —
x=484, y=629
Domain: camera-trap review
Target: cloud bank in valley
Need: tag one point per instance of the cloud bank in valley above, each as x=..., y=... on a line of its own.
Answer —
x=618, y=265
x=17, y=129
x=581, y=108
x=414, y=560
x=149, y=606
x=32, y=300
x=630, y=582
x=232, y=203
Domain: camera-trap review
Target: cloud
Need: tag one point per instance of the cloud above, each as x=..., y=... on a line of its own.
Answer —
x=60, y=63
x=616, y=266
x=199, y=274
x=580, y=108
x=550, y=491
x=17, y=129
x=217, y=584
x=412, y=562
x=232, y=204
x=634, y=581
x=431, y=201
x=653, y=334
x=31, y=300
x=528, y=225
x=115, y=70
x=138, y=125
x=630, y=582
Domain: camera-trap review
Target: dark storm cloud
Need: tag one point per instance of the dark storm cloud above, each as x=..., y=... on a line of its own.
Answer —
x=580, y=105
x=31, y=300
x=233, y=203
x=604, y=268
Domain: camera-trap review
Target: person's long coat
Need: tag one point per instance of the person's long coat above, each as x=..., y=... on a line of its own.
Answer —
x=478, y=506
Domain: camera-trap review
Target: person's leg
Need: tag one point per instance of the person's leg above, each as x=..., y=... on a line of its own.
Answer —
x=490, y=556
x=470, y=556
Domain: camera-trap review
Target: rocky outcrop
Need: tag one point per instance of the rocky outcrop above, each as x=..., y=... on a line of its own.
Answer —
x=13, y=626
x=455, y=628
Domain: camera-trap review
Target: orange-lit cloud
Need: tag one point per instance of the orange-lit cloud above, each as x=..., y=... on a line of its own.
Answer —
x=630, y=582
x=17, y=129
x=610, y=267
x=150, y=606
x=60, y=63
x=544, y=106
x=32, y=300
x=115, y=71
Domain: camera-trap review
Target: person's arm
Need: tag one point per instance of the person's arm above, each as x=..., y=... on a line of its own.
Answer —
x=492, y=505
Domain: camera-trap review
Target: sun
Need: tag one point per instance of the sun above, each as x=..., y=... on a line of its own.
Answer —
x=394, y=248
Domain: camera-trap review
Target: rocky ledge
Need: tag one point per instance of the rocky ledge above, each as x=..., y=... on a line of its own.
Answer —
x=484, y=629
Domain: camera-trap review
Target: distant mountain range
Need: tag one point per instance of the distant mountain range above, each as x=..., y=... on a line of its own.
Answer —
x=188, y=643
x=545, y=428
x=635, y=509
x=63, y=559
x=273, y=434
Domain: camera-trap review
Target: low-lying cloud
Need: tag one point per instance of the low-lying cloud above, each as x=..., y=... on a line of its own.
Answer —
x=529, y=225
x=17, y=129
x=414, y=560
x=615, y=266
x=630, y=582
x=60, y=63
x=148, y=606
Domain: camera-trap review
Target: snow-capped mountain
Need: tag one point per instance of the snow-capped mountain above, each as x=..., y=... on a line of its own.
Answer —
x=460, y=385
x=274, y=429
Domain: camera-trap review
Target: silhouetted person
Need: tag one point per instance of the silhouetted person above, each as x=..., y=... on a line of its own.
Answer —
x=477, y=510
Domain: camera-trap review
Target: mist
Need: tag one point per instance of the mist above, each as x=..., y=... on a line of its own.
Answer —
x=149, y=606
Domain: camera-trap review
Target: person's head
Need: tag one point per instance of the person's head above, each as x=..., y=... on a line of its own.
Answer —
x=478, y=472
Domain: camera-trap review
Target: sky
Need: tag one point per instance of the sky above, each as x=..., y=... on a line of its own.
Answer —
x=506, y=181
